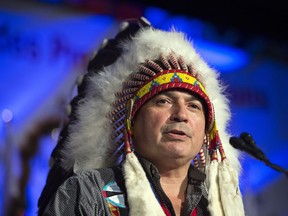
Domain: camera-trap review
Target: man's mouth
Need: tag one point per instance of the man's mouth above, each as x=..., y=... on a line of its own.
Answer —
x=176, y=133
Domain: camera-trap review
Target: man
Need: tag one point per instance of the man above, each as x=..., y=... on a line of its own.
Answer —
x=143, y=120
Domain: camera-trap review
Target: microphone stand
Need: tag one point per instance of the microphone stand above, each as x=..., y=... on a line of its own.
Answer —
x=247, y=144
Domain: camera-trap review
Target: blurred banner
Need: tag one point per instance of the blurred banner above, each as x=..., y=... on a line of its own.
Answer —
x=42, y=51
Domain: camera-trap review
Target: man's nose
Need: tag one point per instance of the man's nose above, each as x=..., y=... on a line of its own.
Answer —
x=179, y=113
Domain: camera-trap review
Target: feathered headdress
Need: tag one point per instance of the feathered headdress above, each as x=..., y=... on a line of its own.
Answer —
x=147, y=62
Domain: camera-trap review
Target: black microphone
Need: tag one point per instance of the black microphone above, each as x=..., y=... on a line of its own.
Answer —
x=240, y=144
x=249, y=141
x=247, y=144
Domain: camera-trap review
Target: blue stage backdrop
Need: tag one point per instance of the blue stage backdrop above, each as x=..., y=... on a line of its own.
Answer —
x=41, y=55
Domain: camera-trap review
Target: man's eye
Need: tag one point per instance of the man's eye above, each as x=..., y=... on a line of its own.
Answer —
x=162, y=101
x=195, y=106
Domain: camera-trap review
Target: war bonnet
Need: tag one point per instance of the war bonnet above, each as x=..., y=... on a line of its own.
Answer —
x=145, y=63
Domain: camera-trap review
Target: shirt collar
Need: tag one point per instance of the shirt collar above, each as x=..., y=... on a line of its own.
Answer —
x=194, y=175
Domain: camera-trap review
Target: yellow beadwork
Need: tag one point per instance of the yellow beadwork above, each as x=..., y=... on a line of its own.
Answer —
x=167, y=78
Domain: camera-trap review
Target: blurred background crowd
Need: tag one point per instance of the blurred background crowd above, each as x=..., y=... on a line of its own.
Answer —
x=45, y=46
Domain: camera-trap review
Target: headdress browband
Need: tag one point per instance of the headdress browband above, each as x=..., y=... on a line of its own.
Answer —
x=169, y=79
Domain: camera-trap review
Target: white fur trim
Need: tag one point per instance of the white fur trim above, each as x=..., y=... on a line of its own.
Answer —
x=214, y=200
x=229, y=191
x=141, y=199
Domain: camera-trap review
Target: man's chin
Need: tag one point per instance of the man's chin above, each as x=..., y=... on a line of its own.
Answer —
x=179, y=155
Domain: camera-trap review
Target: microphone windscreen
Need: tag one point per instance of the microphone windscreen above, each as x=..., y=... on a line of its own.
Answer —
x=248, y=139
x=237, y=143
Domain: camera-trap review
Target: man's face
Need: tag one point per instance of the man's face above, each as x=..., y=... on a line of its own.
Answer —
x=171, y=125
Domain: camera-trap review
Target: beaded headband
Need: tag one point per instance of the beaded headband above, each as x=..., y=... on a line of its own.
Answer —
x=152, y=78
x=169, y=79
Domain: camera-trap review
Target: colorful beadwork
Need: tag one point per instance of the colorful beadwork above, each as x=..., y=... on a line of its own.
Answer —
x=168, y=79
